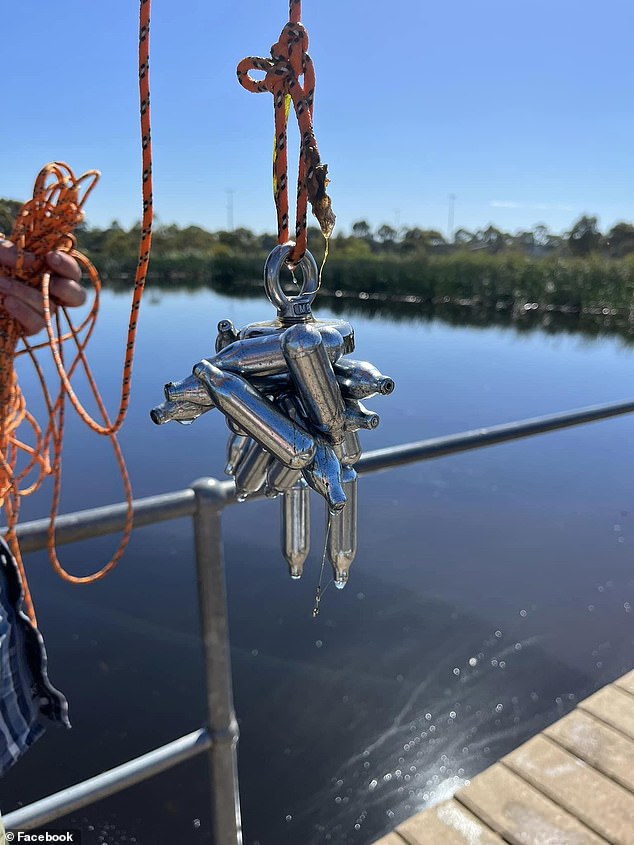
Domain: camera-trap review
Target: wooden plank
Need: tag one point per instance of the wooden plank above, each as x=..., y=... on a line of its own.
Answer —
x=600, y=803
x=626, y=682
x=448, y=823
x=613, y=706
x=599, y=745
x=391, y=839
x=520, y=813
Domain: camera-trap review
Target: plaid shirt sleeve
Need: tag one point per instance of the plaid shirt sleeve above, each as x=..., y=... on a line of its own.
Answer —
x=27, y=698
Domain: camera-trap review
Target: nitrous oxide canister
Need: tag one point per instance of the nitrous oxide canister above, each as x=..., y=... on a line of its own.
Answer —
x=250, y=474
x=237, y=447
x=295, y=513
x=357, y=416
x=182, y=412
x=226, y=334
x=187, y=390
x=341, y=531
x=324, y=475
x=314, y=379
x=289, y=443
x=360, y=380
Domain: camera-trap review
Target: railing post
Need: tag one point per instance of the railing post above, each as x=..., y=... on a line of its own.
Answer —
x=223, y=726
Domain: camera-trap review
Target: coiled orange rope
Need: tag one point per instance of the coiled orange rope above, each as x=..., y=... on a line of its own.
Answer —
x=288, y=63
x=46, y=223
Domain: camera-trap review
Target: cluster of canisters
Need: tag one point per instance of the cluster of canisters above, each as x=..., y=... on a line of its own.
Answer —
x=292, y=401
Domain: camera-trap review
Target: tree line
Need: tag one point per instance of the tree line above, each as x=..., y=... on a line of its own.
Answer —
x=115, y=243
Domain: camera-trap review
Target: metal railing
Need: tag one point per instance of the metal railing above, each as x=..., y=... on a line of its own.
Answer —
x=204, y=501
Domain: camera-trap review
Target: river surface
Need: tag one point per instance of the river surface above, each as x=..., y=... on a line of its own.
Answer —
x=491, y=592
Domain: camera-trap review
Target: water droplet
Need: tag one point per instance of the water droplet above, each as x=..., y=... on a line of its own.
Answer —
x=318, y=643
x=518, y=646
x=456, y=671
x=428, y=716
x=452, y=714
x=499, y=708
x=498, y=634
x=523, y=614
x=340, y=584
x=196, y=823
x=373, y=784
x=627, y=606
x=288, y=818
x=254, y=652
x=473, y=661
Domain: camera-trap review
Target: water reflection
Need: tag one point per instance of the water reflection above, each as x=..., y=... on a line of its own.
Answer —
x=507, y=313
x=491, y=591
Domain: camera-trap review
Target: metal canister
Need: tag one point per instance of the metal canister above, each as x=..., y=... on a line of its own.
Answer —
x=182, y=412
x=314, y=379
x=263, y=356
x=187, y=390
x=295, y=513
x=358, y=417
x=235, y=397
x=250, y=474
x=234, y=428
x=226, y=334
x=324, y=476
x=349, y=450
x=237, y=447
x=341, y=531
x=360, y=380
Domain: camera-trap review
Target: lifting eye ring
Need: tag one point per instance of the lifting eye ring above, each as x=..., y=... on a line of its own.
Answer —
x=291, y=308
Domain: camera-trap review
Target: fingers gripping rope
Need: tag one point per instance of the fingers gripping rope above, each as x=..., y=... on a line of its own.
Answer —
x=289, y=61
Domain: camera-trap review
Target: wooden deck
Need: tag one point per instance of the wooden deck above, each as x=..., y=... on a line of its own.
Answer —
x=573, y=784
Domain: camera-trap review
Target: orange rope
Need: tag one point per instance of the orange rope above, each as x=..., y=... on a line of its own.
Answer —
x=288, y=63
x=46, y=223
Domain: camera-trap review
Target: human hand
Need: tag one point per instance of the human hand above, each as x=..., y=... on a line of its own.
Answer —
x=24, y=303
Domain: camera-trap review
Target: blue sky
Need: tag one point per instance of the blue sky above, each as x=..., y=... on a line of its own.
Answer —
x=524, y=111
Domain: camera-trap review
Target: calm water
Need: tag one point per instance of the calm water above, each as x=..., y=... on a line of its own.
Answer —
x=491, y=590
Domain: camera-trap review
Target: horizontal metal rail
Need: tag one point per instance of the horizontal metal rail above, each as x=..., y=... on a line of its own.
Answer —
x=96, y=522
x=108, y=783
x=82, y=525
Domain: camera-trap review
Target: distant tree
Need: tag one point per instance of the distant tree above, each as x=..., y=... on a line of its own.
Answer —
x=463, y=238
x=386, y=234
x=491, y=239
x=8, y=212
x=414, y=240
x=361, y=229
x=584, y=237
x=620, y=240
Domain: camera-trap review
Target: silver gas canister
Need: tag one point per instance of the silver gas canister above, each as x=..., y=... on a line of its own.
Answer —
x=295, y=521
x=341, y=531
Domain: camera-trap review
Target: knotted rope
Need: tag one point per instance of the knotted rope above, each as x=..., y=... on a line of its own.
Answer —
x=288, y=63
x=46, y=223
